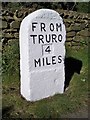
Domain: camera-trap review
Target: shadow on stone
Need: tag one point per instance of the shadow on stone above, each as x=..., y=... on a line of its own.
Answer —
x=72, y=66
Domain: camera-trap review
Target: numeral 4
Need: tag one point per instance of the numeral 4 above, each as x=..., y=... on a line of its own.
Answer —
x=48, y=49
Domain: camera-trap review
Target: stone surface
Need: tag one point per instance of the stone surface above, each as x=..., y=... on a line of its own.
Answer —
x=67, y=25
x=71, y=15
x=75, y=27
x=77, y=38
x=89, y=29
x=81, y=39
x=0, y=47
x=71, y=34
x=68, y=29
x=16, y=35
x=0, y=34
x=74, y=43
x=69, y=44
x=4, y=24
x=79, y=21
x=69, y=39
x=0, y=17
x=70, y=21
x=9, y=18
x=82, y=26
x=42, y=53
x=12, y=40
x=8, y=35
x=10, y=30
x=19, y=14
x=84, y=33
x=15, y=24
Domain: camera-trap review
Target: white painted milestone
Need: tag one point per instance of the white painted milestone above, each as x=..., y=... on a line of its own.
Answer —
x=42, y=53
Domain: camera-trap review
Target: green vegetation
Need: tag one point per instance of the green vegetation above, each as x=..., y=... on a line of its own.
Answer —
x=11, y=58
x=60, y=105
x=83, y=7
x=76, y=6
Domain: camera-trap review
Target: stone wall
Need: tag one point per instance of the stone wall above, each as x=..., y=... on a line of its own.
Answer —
x=77, y=26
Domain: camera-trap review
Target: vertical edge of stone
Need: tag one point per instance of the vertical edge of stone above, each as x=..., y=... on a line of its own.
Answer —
x=24, y=59
x=64, y=53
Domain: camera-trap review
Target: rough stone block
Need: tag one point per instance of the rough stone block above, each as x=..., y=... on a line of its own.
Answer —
x=42, y=53
x=84, y=33
x=71, y=34
x=8, y=35
x=4, y=24
x=15, y=24
x=16, y=35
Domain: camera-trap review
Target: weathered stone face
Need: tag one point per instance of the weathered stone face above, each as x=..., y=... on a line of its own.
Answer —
x=15, y=24
x=42, y=53
x=4, y=24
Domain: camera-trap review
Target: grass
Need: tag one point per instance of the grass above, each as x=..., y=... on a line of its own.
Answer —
x=74, y=99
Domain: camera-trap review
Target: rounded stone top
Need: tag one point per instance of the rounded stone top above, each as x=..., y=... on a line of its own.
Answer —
x=44, y=14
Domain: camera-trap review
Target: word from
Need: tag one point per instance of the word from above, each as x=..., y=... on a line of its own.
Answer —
x=52, y=27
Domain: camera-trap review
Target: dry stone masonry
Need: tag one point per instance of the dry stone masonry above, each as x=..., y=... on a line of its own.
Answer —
x=77, y=25
x=42, y=54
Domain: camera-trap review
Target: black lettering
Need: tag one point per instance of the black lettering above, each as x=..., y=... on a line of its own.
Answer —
x=59, y=37
x=48, y=49
x=40, y=37
x=33, y=36
x=59, y=59
x=48, y=38
x=43, y=61
x=58, y=26
x=43, y=27
x=51, y=27
x=37, y=62
x=54, y=38
x=47, y=62
x=33, y=26
x=53, y=60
